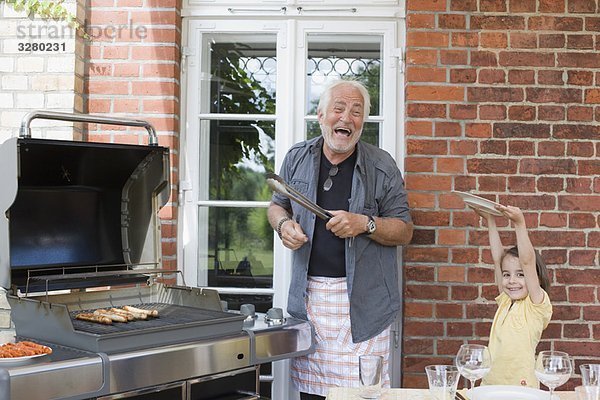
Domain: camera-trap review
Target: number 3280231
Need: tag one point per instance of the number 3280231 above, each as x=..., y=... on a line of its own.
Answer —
x=56, y=46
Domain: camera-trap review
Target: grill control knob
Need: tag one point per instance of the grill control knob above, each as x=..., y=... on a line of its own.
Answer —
x=248, y=310
x=274, y=316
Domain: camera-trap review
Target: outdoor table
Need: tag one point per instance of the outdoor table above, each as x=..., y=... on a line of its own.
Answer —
x=343, y=393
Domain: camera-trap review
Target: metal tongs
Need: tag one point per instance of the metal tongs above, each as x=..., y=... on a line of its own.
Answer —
x=278, y=185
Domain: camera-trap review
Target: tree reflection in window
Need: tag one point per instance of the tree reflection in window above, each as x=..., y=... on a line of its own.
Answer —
x=243, y=82
x=240, y=239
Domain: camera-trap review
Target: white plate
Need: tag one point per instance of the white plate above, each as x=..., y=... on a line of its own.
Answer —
x=15, y=359
x=507, y=392
x=479, y=203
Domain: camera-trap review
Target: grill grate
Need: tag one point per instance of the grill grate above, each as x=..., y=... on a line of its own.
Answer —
x=169, y=315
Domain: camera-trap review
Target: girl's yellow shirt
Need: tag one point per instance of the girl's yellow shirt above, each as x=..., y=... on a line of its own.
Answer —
x=514, y=336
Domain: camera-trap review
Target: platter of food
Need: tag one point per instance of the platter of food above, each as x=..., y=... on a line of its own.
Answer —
x=479, y=203
x=24, y=350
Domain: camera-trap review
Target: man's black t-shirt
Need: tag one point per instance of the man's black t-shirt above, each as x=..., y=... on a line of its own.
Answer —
x=328, y=255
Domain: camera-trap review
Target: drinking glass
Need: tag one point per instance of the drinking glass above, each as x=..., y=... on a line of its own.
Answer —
x=553, y=368
x=443, y=381
x=474, y=362
x=587, y=392
x=370, y=368
x=590, y=374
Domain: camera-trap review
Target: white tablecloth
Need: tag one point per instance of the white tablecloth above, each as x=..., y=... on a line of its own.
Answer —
x=408, y=394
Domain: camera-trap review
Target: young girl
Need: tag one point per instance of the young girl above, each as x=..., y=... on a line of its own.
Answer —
x=524, y=309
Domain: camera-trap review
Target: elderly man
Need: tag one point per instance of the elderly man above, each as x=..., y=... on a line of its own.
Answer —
x=344, y=271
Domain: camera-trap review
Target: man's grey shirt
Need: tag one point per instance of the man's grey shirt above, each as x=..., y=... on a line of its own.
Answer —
x=371, y=268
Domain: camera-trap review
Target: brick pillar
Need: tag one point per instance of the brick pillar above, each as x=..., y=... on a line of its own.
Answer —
x=133, y=70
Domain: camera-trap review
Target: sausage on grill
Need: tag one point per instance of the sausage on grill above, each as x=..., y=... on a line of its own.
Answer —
x=130, y=315
x=150, y=313
x=94, y=318
x=113, y=317
x=119, y=311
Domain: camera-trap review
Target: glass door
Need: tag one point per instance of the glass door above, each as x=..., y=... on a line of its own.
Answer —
x=251, y=87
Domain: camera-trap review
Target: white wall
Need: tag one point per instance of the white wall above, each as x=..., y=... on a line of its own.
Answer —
x=39, y=79
x=31, y=80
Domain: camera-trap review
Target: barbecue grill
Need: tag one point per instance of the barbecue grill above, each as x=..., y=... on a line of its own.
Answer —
x=81, y=232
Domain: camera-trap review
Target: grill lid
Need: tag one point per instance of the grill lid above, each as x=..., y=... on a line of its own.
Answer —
x=72, y=207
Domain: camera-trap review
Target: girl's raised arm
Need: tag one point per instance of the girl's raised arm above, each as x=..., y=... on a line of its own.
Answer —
x=495, y=246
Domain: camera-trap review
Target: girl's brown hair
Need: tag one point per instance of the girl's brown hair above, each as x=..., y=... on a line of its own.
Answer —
x=540, y=266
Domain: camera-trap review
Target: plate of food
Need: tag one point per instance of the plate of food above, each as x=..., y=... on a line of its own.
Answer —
x=23, y=350
x=479, y=203
x=504, y=392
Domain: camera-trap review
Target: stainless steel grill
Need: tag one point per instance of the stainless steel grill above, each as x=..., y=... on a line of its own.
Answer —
x=79, y=230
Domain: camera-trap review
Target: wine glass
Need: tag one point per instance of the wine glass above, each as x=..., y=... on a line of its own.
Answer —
x=553, y=368
x=473, y=362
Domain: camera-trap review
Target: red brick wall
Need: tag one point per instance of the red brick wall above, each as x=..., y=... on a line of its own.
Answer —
x=502, y=100
x=132, y=69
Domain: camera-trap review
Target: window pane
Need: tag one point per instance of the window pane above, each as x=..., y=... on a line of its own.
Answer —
x=242, y=74
x=331, y=57
x=240, y=248
x=370, y=131
x=240, y=154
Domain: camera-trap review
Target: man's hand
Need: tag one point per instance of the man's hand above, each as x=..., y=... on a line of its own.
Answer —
x=292, y=235
x=346, y=225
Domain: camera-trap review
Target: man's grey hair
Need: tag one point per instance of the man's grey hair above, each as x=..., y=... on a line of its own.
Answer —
x=325, y=99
